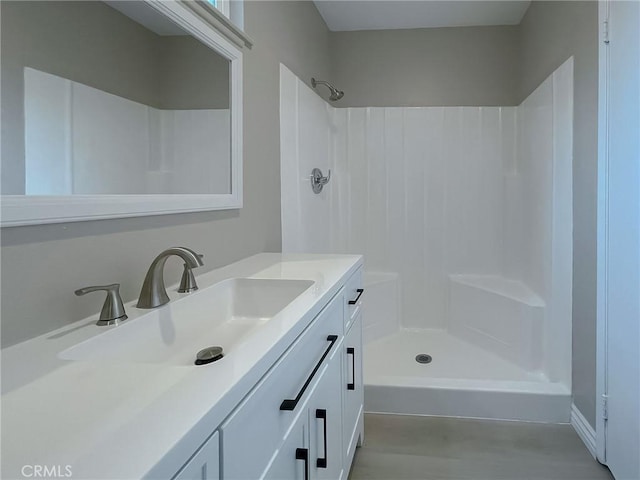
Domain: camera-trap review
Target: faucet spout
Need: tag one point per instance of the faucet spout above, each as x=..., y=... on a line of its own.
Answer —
x=154, y=293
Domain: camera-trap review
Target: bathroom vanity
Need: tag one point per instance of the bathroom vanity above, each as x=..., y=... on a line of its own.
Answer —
x=127, y=401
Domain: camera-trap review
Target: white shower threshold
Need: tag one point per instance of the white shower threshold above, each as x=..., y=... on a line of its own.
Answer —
x=462, y=380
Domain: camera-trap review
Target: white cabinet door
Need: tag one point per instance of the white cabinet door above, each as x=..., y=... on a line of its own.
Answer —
x=292, y=460
x=205, y=464
x=353, y=389
x=325, y=424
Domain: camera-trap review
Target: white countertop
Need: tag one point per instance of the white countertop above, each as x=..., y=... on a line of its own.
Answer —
x=120, y=420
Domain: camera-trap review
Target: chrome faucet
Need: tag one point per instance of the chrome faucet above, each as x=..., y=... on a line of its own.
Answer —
x=154, y=293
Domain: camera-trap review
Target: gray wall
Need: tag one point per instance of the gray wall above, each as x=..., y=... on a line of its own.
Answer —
x=472, y=66
x=550, y=33
x=191, y=75
x=293, y=33
x=42, y=265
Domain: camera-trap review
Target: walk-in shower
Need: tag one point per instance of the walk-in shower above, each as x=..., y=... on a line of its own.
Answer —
x=464, y=218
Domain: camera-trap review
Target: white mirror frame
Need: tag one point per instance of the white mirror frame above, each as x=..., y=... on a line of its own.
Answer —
x=32, y=210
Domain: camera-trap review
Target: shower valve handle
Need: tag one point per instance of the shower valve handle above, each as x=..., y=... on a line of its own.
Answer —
x=325, y=180
x=318, y=180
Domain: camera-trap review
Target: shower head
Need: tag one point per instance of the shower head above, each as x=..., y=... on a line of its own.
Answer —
x=335, y=94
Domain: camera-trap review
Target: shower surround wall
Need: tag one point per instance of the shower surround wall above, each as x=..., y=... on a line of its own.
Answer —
x=469, y=206
x=112, y=145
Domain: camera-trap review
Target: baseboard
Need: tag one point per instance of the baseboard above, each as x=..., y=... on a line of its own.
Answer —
x=584, y=430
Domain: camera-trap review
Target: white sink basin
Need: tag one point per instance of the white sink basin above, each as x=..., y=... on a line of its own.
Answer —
x=223, y=315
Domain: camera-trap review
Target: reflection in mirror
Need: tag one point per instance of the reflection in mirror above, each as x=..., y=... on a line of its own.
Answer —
x=110, y=98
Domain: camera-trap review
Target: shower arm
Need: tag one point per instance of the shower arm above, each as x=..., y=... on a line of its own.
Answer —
x=335, y=93
x=315, y=82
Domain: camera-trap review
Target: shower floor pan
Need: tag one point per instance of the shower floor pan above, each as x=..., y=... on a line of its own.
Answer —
x=462, y=380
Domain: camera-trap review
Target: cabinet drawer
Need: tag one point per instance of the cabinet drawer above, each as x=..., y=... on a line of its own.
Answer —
x=258, y=426
x=353, y=293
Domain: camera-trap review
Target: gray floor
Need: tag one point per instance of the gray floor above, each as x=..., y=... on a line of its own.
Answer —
x=407, y=447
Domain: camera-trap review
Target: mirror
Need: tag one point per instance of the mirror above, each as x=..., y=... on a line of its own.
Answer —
x=116, y=108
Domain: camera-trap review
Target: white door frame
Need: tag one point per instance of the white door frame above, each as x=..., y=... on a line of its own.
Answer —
x=602, y=229
x=604, y=260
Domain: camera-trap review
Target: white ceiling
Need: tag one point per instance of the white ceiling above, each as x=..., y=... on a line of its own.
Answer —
x=343, y=15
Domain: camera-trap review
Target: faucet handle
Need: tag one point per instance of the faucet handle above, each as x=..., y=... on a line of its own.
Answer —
x=188, y=280
x=113, y=308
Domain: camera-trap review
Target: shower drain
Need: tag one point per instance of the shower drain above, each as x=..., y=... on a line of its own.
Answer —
x=423, y=358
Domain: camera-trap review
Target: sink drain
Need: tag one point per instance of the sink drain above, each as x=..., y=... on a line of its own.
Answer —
x=208, y=355
x=423, y=358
